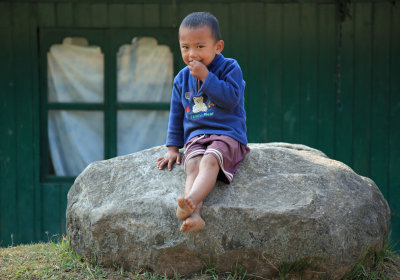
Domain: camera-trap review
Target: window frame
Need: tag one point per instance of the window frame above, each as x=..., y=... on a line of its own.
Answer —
x=109, y=40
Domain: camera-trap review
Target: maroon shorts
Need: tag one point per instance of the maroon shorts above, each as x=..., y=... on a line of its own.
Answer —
x=228, y=152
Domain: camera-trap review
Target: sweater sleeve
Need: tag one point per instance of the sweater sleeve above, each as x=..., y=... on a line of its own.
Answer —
x=175, y=125
x=228, y=91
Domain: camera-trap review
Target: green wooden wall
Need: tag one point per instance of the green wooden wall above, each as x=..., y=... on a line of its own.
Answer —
x=291, y=55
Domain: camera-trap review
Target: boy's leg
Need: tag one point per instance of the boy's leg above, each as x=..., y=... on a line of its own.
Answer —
x=205, y=179
x=192, y=169
x=202, y=186
x=194, y=222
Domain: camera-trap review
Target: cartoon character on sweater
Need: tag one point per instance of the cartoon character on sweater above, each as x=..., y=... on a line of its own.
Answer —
x=199, y=105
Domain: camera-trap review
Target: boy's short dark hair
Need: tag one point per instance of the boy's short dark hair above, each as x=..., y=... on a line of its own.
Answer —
x=200, y=19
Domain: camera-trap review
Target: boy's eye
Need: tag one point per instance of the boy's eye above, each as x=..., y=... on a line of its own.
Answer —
x=184, y=47
x=200, y=47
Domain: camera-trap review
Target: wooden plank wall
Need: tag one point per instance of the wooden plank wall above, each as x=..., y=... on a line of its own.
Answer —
x=289, y=54
x=18, y=174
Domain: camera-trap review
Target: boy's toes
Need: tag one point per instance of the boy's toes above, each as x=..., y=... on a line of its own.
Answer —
x=184, y=227
x=193, y=223
x=184, y=208
x=181, y=202
x=189, y=203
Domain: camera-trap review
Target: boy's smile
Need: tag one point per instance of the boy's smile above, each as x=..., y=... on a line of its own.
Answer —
x=198, y=44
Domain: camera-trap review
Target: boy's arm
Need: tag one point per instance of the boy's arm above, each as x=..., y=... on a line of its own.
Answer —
x=175, y=123
x=225, y=93
x=175, y=132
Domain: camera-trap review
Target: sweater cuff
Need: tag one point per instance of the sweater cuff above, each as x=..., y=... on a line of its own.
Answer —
x=206, y=86
x=174, y=143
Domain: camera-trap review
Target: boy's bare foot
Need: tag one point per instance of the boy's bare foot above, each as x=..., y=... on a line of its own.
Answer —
x=193, y=223
x=185, y=208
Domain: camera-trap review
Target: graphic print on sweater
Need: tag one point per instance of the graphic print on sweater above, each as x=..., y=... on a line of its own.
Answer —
x=199, y=106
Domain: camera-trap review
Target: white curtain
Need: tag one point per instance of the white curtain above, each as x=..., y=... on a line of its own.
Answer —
x=75, y=140
x=76, y=74
x=149, y=127
x=145, y=71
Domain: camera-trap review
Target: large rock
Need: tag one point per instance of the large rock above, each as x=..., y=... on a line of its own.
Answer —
x=287, y=203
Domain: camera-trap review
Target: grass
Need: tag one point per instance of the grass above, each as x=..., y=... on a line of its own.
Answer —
x=56, y=260
x=51, y=260
x=385, y=265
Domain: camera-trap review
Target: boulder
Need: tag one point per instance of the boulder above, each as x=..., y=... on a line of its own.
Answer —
x=287, y=204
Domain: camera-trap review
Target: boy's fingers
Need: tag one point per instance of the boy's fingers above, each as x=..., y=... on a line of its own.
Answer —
x=161, y=162
x=178, y=159
x=170, y=163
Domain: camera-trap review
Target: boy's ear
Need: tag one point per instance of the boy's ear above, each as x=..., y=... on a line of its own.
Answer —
x=219, y=46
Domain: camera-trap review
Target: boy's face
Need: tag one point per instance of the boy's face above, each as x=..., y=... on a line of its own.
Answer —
x=199, y=44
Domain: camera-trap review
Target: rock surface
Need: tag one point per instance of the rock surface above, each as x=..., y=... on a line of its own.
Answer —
x=287, y=203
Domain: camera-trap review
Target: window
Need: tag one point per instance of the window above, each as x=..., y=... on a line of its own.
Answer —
x=104, y=93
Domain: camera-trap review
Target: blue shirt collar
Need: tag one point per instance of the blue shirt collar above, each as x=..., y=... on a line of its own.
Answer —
x=216, y=62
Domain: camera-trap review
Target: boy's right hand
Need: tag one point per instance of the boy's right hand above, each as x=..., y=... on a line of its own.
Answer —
x=169, y=158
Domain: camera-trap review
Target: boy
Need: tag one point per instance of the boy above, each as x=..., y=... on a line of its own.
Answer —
x=207, y=116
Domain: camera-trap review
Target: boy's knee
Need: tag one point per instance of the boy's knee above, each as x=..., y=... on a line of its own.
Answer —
x=210, y=161
x=192, y=165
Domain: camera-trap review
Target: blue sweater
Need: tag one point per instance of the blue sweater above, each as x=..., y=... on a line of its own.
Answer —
x=216, y=107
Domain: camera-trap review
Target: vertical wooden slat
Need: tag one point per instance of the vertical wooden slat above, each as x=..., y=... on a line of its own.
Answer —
x=221, y=12
x=344, y=114
x=24, y=125
x=185, y=9
x=326, y=79
x=134, y=15
x=116, y=12
x=308, y=74
x=64, y=14
x=8, y=139
x=46, y=14
x=255, y=70
x=34, y=54
x=7, y=129
x=5, y=14
x=394, y=163
x=151, y=15
x=51, y=210
x=362, y=88
x=99, y=13
x=63, y=206
x=168, y=15
x=273, y=71
x=239, y=46
x=380, y=96
x=83, y=15
x=43, y=118
x=290, y=87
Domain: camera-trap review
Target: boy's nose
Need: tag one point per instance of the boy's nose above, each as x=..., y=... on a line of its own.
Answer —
x=192, y=54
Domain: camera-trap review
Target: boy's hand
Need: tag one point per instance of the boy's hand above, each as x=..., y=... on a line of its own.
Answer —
x=169, y=158
x=198, y=70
